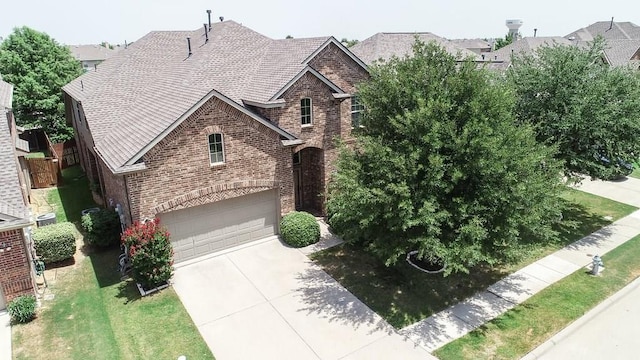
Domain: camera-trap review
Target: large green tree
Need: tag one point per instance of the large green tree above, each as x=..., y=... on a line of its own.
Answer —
x=440, y=167
x=38, y=67
x=590, y=110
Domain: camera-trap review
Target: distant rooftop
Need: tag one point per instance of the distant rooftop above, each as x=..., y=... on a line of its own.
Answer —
x=386, y=45
x=610, y=30
x=91, y=52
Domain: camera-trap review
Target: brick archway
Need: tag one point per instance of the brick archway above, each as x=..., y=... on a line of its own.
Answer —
x=215, y=193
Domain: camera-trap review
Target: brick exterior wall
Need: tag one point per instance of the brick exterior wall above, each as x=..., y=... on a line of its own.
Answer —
x=179, y=173
x=15, y=273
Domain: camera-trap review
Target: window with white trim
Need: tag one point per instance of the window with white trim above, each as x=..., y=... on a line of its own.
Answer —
x=216, y=149
x=306, y=114
x=356, y=111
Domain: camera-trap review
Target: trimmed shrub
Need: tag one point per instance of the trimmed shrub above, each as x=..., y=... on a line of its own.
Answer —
x=55, y=242
x=150, y=252
x=102, y=228
x=22, y=309
x=299, y=229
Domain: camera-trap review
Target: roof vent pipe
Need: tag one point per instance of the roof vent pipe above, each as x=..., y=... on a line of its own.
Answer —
x=611, y=24
x=189, y=46
x=535, y=31
x=209, y=17
x=221, y=18
x=206, y=34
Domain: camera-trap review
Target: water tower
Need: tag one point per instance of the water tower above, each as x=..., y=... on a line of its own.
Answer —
x=513, y=26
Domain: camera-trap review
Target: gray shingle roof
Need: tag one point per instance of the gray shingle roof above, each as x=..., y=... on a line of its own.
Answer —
x=140, y=91
x=386, y=45
x=6, y=95
x=91, y=52
x=472, y=43
x=526, y=45
x=620, y=52
x=12, y=208
x=619, y=31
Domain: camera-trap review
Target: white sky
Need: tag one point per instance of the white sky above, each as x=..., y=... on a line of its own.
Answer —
x=94, y=21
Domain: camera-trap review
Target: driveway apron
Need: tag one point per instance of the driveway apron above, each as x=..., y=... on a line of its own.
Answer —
x=269, y=301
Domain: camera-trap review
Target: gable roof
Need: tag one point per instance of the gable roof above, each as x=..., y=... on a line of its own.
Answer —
x=527, y=45
x=6, y=95
x=13, y=212
x=607, y=29
x=621, y=52
x=91, y=52
x=136, y=95
x=386, y=45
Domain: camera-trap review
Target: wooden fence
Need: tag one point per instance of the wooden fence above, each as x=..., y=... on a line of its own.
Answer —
x=45, y=172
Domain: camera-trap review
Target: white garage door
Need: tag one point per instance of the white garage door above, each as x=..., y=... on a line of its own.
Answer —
x=201, y=230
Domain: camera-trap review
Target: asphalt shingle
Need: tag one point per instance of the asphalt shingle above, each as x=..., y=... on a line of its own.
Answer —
x=386, y=45
x=139, y=92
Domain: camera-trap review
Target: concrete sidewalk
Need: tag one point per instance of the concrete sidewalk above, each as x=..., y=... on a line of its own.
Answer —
x=458, y=320
x=5, y=336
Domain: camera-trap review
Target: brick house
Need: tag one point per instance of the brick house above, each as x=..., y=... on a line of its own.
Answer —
x=216, y=131
x=15, y=256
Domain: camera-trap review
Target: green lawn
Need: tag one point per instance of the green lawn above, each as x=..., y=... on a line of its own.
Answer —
x=38, y=154
x=523, y=328
x=636, y=171
x=72, y=196
x=402, y=295
x=96, y=316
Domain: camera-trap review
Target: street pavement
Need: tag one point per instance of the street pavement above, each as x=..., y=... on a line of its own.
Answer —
x=609, y=331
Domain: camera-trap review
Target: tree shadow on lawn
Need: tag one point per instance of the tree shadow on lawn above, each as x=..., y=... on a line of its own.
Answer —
x=324, y=297
x=105, y=266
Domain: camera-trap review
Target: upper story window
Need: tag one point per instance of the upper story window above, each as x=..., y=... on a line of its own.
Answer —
x=306, y=115
x=356, y=111
x=216, y=149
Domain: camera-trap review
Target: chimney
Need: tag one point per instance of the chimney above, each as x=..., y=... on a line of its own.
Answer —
x=189, y=46
x=206, y=34
x=209, y=17
x=535, y=31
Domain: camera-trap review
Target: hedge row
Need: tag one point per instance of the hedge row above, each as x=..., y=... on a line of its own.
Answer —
x=55, y=242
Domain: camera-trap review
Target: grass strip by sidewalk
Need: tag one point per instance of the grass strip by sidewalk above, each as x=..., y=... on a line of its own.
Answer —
x=522, y=329
x=94, y=315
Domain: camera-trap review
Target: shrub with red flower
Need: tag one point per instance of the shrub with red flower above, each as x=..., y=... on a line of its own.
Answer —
x=150, y=252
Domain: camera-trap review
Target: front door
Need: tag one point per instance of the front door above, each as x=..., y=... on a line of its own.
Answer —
x=2, y=303
x=297, y=186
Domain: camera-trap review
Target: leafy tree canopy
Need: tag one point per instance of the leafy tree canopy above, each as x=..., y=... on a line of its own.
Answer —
x=349, y=43
x=575, y=100
x=502, y=42
x=440, y=167
x=38, y=67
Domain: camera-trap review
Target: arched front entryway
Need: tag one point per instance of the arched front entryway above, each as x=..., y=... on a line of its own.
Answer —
x=308, y=180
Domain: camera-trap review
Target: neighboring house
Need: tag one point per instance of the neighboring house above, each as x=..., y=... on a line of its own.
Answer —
x=478, y=46
x=15, y=255
x=525, y=46
x=383, y=46
x=91, y=55
x=623, y=53
x=609, y=30
x=622, y=41
x=217, y=134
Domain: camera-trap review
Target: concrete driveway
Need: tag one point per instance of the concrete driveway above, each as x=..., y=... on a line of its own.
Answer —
x=269, y=301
